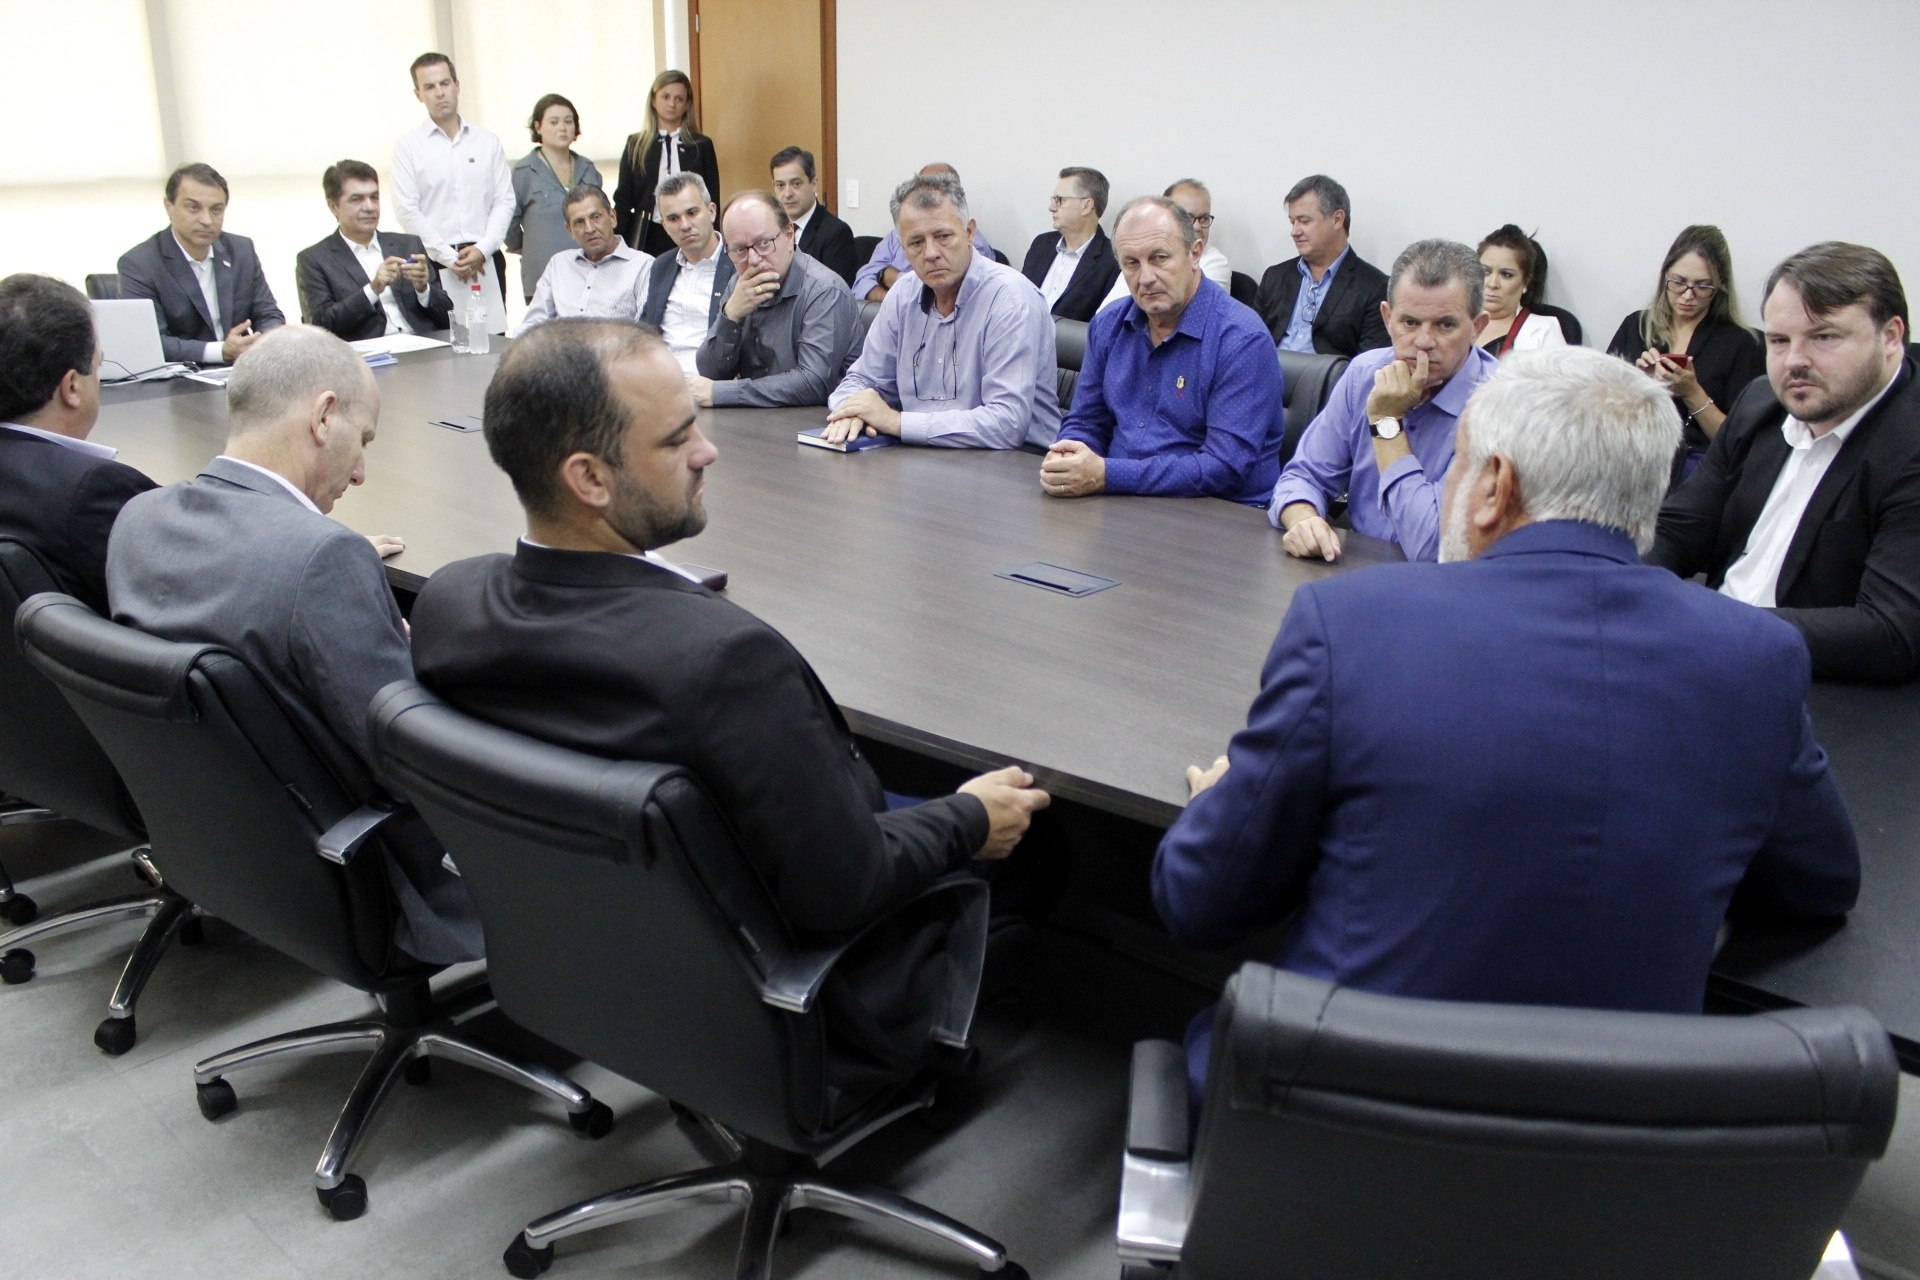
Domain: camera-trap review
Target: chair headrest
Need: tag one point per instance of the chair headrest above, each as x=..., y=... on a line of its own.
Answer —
x=114, y=665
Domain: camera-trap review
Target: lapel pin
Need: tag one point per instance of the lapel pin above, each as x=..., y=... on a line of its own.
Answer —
x=1180, y=383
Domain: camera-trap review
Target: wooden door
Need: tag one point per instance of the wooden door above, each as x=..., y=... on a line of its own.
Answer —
x=764, y=74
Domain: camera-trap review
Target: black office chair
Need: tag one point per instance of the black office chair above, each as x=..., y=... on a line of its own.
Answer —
x=863, y=247
x=1307, y=378
x=1569, y=323
x=624, y=923
x=50, y=761
x=103, y=285
x=248, y=823
x=1348, y=1136
x=1001, y=258
x=1242, y=288
x=1069, y=350
x=862, y=321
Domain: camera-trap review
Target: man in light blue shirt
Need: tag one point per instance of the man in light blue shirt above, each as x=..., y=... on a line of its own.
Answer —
x=961, y=354
x=1385, y=438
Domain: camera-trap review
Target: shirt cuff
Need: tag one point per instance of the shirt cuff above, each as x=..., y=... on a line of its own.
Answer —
x=726, y=393
x=366, y=291
x=1123, y=475
x=213, y=354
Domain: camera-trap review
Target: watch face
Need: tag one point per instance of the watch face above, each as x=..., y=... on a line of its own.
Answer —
x=1387, y=428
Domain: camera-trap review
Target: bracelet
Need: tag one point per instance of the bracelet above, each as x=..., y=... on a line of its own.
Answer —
x=1697, y=412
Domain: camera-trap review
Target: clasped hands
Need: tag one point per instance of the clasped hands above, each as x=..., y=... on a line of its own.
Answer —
x=1072, y=470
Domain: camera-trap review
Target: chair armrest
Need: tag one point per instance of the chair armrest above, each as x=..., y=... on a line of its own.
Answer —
x=1157, y=1102
x=792, y=980
x=341, y=841
x=1152, y=1225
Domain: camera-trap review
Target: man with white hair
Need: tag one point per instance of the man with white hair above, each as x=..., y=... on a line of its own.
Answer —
x=244, y=556
x=1540, y=774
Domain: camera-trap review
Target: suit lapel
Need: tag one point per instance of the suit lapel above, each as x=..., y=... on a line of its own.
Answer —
x=222, y=254
x=183, y=277
x=1840, y=477
x=722, y=280
x=1330, y=305
x=1765, y=456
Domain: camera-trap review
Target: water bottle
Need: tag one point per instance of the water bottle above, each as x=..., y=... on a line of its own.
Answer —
x=458, y=323
x=476, y=322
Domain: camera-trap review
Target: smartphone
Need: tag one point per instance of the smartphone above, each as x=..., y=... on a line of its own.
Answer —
x=1677, y=357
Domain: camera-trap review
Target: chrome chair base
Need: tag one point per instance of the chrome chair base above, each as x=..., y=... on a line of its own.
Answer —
x=768, y=1185
x=399, y=1051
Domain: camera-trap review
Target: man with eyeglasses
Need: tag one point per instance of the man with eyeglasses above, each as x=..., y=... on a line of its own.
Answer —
x=605, y=278
x=1808, y=500
x=686, y=288
x=1074, y=264
x=1328, y=298
x=961, y=354
x=786, y=328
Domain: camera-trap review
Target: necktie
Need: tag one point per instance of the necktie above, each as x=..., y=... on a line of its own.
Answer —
x=666, y=155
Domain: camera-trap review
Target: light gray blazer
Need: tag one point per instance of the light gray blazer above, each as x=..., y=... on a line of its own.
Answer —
x=539, y=226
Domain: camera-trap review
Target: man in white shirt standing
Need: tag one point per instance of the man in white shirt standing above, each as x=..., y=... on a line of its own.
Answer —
x=686, y=288
x=364, y=282
x=1808, y=501
x=603, y=278
x=452, y=186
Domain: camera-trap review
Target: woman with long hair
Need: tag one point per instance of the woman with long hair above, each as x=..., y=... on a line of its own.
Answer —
x=670, y=143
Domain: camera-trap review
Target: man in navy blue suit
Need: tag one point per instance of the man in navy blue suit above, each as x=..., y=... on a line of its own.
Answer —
x=1540, y=774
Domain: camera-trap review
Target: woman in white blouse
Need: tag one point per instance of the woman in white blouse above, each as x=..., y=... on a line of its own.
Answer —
x=1516, y=270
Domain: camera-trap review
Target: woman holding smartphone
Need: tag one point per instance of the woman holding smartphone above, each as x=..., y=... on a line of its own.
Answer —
x=1692, y=339
x=670, y=143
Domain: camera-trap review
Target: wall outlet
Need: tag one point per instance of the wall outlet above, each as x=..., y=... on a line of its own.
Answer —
x=853, y=193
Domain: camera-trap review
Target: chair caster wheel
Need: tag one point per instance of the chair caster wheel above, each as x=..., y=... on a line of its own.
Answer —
x=346, y=1201
x=419, y=1070
x=192, y=933
x=595, y=1122
x=525, y=1261
x=19, y=910
x=215, y=1098
x=16, y=966
x=114, y=1036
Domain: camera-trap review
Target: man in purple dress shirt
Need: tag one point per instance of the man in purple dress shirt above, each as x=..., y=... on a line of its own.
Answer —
x=961, y=354
x=1386, y=436
x=1180, y=392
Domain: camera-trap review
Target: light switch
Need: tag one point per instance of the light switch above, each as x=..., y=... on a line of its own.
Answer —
x=853, y=193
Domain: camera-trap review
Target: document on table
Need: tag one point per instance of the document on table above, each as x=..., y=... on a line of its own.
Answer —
x=396, y=344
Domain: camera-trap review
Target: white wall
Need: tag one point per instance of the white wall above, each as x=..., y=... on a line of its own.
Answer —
x=1606, y=126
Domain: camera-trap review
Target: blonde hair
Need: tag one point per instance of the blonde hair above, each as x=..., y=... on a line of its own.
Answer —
x=1656, y=323
x=638, y=144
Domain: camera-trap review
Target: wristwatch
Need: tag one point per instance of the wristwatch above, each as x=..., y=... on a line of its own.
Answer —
x=1387, y=428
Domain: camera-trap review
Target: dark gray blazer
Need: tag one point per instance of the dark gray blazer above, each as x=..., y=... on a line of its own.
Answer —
x=233, y=558
x=156, y=269
x=333, y=289
x=62, y=503
x=660, y=278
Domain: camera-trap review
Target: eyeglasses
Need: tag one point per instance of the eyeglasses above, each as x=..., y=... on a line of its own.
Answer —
x=761, y=247
x=1698, y=288
x=1054, y=202
x=1203, y=220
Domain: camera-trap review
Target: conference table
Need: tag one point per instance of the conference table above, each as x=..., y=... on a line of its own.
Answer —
x=892, y=571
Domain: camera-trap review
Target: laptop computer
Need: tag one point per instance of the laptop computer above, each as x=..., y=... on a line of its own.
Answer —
x=130, y=341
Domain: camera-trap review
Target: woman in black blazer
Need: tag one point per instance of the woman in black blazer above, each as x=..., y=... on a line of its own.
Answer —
x=1694, y=315
x=670, y=116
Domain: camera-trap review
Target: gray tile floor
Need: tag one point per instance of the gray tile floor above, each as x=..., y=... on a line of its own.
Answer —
x=108, y=1168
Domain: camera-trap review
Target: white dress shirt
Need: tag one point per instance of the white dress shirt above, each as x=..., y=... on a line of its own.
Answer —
x=1755, y=576
x=685, y=323
x=453, y=190
x=370, y=258
x=202, y=269
x=1060, y=273
x=277, y=478
x=800, y=223
x=87, y=447
x=670, y=157
x=615, y=286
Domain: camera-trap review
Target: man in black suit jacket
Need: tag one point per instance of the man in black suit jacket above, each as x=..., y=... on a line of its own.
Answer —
x=212, y=296
x=365, y=282
x=1073, y=265
x=1808, y=500
x=586, y=638
x=1346, y=317
x=823, y=237
x=59, y=492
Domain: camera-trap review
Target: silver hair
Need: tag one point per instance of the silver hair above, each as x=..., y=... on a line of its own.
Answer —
x=1436, y=263
x=929, y=191
x=1589, y=436
x=286, y=370
x=1189, y=234
x=674, y=183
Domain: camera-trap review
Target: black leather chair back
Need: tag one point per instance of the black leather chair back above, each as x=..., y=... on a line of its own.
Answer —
x=104, y=285
x=1360, y=1136
x=234, y=797
x=863, y=247
x=1069, y=350
x=1242, y=288
x=615, y=885
x=1308, y=377
x=1569, y=323
x=862, y=321
x=46, y=754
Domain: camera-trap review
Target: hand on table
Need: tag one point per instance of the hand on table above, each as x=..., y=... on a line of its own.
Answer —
x=702, y=389
x=1011, y=800
x=386, y=544
x=1199, y=779
x=864, y=410
x=1308, y=535
x=1072, y=470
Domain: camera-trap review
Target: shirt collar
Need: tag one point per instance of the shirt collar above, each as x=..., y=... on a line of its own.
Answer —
x=969, y=283
x=1193, y=321
x=1326, y=276
x=680, y=255
x=1477, y=368
x=1800, y=436
x=619, y=250
x=372, y=246
x=276, y=477
x=193, y=262
x=87, y=447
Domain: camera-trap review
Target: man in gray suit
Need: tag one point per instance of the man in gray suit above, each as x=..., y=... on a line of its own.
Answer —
x=244, y=556
x=365, y=282
x=207, y=284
